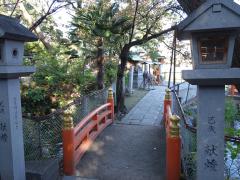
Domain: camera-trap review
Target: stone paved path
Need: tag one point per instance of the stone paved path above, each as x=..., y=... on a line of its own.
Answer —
x=133, y=149
x=149, y=110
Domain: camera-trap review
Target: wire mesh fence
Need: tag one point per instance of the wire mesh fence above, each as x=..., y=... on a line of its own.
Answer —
x=42, y=135
x=188, y=138
x=185, y=92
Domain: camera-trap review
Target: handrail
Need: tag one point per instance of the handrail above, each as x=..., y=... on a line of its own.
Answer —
x=187, y=126
x=194, y=130
x=80, y=125
x=77, y=140
x=173, y=140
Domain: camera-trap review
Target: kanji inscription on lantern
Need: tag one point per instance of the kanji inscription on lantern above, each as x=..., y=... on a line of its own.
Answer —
x=211, y=150
x=211, y=164
x=3, y=132
x=2, y=107
x=211, y=153
x=15, y=112
x=211, y=124
x=3, y=125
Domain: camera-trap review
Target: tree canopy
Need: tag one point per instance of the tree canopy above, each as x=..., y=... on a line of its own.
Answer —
x=95, y=50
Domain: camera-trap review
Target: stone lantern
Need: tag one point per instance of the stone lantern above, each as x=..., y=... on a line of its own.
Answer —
x=12, y=38
x=212, y=29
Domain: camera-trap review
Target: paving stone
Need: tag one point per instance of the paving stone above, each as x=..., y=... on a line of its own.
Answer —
x=126, y=152
x=149, y=109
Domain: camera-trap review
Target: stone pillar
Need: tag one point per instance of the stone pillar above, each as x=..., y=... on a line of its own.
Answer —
x=130, y=83
x=12, y=164
x=210, y=120
x=210, y=132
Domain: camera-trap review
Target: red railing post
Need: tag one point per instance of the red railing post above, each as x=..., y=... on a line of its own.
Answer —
x=173, y=153
x=68, y=146
x=111, y=101
x=167, y=102
x=95, y=118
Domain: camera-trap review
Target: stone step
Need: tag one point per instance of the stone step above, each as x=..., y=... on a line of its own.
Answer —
x=42, y=170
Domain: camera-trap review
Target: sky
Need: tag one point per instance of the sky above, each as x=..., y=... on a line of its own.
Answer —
x=237, y=1
x=63, y=18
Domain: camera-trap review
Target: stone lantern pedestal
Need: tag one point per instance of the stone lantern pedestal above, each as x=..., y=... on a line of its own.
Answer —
x=211, y=118
x=12, y=164
x=212, y=29
x=12, y=38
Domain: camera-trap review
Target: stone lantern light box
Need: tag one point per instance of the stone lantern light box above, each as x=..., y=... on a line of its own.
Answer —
x=212, y=29
x=12, y=38
x=13, y=35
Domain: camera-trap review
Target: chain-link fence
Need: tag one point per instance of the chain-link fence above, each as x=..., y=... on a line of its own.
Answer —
x=185, y=92
x=188, y=138
x=43, y=135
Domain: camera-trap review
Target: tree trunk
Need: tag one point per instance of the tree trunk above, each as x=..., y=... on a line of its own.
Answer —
x=100, y=59
x=120, y=75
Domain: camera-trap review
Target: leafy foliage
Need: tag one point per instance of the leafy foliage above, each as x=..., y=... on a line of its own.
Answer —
x=231, y=117
x=110, y=72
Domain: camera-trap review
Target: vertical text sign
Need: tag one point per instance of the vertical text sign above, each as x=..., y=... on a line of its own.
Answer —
x=210, y=133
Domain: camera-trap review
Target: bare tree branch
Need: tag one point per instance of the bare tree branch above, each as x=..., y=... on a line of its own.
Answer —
x=149, y=10
x=157, y=18
x=153, y=36
x=38, y=32
x=49, y=12
x=134, y=20
x=15, y=6
x=169, y=47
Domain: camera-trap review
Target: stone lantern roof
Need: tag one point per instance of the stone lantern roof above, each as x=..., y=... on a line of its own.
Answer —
x=11, y=29
x=213, y=15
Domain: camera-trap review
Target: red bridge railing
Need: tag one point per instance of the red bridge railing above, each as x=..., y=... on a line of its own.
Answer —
x=173, y=141
x=78, y=139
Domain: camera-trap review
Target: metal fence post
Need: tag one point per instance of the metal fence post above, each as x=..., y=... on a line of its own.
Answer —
x=173, y=159
x=68, y=146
